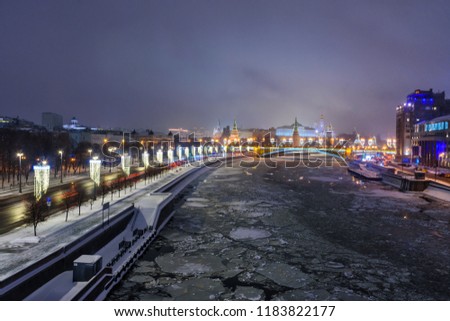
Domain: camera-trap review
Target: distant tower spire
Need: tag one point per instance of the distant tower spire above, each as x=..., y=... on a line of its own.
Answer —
x=217, y=131
x=321, y=123
x=295, y=135
x=329, y=136
x=234, y=137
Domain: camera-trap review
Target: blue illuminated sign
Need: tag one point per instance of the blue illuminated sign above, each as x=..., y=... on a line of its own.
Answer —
x=443, y=125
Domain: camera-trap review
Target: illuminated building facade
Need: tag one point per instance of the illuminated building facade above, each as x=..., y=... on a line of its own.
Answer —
x=431, y=142
x=420, y=106
x=403, y=129
x=297, y=135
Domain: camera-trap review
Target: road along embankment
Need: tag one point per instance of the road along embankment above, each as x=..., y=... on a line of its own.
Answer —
x=120, y=243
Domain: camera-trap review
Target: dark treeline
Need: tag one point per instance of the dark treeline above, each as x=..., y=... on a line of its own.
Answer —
x=37, y=147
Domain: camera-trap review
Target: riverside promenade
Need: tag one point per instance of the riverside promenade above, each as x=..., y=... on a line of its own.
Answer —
x=20, y=250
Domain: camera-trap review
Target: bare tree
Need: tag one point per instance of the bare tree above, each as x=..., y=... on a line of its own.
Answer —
x=119, y=184
x=68, y=199
x=36, y=211
x=111, y=187
x=146, y=174
x=80, y=197
x=104, y=188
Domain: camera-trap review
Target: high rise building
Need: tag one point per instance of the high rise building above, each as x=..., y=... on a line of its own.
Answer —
x=52, y=121
x=420, y=106
x=403, y=129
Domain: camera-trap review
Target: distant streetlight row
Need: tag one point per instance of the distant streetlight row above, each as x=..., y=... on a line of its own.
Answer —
x=60, y=152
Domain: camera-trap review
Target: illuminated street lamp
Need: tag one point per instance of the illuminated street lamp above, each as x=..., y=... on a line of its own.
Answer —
x=61, y=153
x=90, y=153
x=20, y=171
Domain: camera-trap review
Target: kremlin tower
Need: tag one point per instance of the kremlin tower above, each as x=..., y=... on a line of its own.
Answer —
x=295, y=135
x=234, y=136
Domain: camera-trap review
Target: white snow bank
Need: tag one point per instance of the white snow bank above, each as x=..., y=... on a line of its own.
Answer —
x=26, y=240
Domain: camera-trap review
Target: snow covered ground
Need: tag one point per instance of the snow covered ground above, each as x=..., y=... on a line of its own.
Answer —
x=296, y=234
x=20, y=248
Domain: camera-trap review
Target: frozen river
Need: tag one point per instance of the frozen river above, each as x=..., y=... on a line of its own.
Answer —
x=263, y=233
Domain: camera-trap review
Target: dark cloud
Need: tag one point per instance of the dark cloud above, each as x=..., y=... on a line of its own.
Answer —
x=158, y=64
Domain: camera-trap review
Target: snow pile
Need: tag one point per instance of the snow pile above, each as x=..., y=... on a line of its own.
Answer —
x=26, y=240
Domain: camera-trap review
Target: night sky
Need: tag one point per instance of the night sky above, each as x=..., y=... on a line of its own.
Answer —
x=161, y=64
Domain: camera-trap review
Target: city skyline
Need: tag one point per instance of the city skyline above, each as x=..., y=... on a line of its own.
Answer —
x=162, y=64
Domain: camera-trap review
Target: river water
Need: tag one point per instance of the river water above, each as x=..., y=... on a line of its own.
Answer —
x=264, y=233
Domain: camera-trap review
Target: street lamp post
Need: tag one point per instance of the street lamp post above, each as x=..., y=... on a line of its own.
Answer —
x=20, y=171
x=90, y=155
x=110, y=150
x=61, y=154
